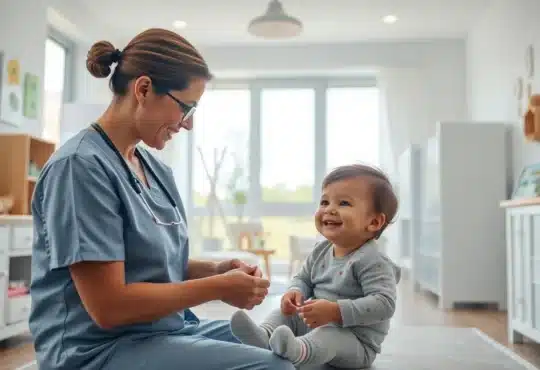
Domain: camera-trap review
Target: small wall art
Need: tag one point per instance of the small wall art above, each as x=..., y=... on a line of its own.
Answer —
x=11, y=104
x=518, y=93
x=31, y=95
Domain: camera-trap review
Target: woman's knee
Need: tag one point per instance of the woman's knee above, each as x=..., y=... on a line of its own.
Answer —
x=270, y=361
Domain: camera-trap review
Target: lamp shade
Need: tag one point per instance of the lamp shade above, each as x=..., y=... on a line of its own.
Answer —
x=275, y=23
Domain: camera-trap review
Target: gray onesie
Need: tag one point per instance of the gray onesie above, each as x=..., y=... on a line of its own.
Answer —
x=363, y=283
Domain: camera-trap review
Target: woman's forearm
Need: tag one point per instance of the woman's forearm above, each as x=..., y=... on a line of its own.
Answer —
x=145, y=302
x=201, y=269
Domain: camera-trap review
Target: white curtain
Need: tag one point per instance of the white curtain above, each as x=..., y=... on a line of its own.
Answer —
x=403, y=108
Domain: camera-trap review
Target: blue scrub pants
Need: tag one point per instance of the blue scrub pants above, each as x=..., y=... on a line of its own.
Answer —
x=209, y=346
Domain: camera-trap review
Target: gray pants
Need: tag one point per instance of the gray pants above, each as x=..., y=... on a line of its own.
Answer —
x=344, y=349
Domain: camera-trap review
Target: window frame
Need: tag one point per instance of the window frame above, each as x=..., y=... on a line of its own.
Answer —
x=69, y=74
x=256, y=207
x=68, y=90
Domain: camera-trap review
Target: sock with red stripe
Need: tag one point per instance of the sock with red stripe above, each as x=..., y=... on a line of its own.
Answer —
x=298, y=350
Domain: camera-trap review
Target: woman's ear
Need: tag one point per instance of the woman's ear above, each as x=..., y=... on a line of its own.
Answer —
x=141, y=88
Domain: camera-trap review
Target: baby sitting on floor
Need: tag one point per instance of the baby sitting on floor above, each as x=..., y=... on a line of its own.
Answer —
x=338, y=308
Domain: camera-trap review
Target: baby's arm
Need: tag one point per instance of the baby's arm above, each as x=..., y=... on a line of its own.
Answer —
x=378, y=282
x=302, y=280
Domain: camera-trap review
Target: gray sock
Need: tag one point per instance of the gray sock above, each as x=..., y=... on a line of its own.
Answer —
x=248, y=332
x=298, y=350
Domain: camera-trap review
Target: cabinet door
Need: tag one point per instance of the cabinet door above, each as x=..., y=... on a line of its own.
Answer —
x=518, y=267
x=535, y=272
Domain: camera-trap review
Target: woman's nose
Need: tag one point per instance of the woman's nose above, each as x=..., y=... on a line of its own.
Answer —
x=188, y=124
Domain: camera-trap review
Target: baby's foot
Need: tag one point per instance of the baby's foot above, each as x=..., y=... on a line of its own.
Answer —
x=247, y=331
x=298, y=350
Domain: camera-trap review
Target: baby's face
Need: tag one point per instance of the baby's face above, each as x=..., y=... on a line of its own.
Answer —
x=345, y=215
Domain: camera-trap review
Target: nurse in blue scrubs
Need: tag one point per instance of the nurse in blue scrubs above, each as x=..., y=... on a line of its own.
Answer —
x=112, y=281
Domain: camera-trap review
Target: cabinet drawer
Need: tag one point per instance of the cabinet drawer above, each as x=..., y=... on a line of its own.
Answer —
x=18, y=309
x=22, y=237
x=4, y=248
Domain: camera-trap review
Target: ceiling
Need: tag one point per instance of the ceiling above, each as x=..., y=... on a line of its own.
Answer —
x=220, y=22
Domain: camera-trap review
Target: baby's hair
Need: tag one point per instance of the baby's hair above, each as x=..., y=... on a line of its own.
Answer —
x=384, y=198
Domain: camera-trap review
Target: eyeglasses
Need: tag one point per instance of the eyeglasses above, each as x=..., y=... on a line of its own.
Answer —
x=188, y=109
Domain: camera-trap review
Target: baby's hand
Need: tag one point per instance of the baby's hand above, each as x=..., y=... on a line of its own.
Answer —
x=319, y=312
x=291, y=301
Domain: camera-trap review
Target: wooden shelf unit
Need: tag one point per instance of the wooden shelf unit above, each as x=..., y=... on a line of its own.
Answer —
x=16, y=153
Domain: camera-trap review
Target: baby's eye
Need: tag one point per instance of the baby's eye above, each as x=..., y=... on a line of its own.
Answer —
x=344, y=203
x=324, y=203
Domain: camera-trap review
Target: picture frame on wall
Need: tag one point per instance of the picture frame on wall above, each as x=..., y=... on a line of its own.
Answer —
x=11, y=90
x=528, y=183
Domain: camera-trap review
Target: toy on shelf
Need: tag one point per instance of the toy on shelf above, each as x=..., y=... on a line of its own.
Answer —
x=6, y=204
x=531, y=124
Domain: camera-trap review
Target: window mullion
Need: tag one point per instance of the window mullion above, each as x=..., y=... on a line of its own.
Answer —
x=255, y=145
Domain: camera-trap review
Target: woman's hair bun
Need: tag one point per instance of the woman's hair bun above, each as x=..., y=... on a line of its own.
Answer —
x=100, y=58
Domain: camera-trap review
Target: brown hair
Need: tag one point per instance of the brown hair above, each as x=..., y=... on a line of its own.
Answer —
x=167, y=58
x=384, y=198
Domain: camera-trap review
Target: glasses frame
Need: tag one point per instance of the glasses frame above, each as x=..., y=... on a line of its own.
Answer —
x=188, y=109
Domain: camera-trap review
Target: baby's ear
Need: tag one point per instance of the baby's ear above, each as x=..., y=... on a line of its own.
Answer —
x=377, y=223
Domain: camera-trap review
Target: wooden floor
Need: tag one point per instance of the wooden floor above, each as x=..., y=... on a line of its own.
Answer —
x=413, y=309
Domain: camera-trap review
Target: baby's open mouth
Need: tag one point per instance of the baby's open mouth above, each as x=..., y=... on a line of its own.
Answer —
x=332, y=223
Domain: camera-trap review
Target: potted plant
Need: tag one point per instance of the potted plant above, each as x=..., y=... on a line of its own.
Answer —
x=237, y=192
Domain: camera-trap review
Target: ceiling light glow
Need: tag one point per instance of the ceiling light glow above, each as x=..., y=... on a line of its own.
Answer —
x=389, y=19
x=179, y=24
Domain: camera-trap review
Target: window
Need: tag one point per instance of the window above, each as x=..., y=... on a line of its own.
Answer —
x=352, y=126
x=221, y=136
x=275, y=129
x=54, y=83
x=287, y=145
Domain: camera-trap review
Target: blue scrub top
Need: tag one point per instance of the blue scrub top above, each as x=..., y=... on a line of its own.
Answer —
x=85, y=209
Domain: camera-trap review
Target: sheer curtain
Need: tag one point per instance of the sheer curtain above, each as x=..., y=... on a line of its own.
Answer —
x=404, y=106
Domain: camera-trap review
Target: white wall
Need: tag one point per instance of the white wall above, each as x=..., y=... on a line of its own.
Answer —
x=439, y=65
x=495, y=58
x=23, y=31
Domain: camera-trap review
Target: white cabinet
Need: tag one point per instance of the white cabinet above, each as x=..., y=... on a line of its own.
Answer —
x=523, y=266
x=16, y=235
x=460, y=255
x=407, y=221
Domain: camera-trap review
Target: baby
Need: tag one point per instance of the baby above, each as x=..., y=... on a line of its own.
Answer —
x=338, y=308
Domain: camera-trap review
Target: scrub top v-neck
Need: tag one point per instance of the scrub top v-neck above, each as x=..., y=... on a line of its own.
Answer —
x=85, y=209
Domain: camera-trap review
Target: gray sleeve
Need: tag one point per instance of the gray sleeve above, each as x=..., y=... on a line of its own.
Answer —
x=376, y=277
x=302, y=280
x=81, y=212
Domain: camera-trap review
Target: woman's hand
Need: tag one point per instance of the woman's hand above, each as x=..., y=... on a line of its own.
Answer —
x=225, y=266
x=243, y=290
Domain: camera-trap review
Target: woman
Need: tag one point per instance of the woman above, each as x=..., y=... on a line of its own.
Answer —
x=112, y=282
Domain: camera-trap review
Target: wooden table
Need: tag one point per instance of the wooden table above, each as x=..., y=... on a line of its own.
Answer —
x=260, y=252
x=265, y=254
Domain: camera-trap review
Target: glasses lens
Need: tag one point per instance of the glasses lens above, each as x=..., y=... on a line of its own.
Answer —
x=188, y=114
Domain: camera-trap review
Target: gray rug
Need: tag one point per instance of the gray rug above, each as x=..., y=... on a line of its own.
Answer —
x=437, y=348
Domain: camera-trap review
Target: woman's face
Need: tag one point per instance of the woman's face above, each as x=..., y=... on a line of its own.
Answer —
x=159, y=117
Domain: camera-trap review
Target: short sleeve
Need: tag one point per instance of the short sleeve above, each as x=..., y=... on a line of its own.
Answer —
x=81, y=213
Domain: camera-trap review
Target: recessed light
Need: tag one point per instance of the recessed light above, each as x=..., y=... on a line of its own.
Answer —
x=179, y=24
x=389, y=19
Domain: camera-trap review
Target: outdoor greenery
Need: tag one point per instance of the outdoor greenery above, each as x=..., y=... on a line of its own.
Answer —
x=277, y=194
